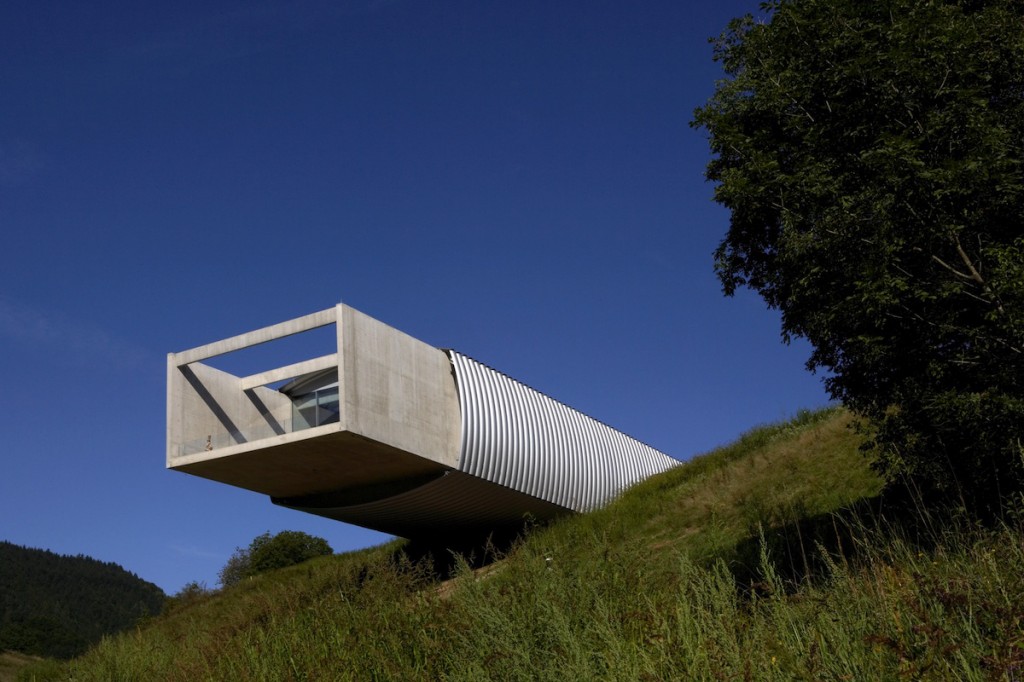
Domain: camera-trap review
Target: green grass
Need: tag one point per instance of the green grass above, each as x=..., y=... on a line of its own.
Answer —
x=770, y=559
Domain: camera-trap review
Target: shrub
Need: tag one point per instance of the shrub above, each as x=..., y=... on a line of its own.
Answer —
x=269, y=552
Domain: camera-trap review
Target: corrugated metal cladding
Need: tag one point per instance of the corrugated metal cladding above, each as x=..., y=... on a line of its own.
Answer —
x=520, y=438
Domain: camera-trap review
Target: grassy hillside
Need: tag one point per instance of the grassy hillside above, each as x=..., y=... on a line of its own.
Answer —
x=11, y=662
x=766, y=560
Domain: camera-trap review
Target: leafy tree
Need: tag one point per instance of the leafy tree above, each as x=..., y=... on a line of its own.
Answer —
x=267, y=553
x=236, y=569
x=289, y=547
x=870, y=154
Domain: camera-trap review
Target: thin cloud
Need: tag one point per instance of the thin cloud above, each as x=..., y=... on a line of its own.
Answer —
x=80, y=340
x=377, y=5
x=19, y=161
x=193, y=551
x=218, y=37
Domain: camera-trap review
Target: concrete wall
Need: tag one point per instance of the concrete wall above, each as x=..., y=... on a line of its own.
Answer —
x=206, y=403
x=397, y=390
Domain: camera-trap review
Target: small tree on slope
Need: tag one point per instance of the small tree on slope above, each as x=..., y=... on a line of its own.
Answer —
x=267, y=553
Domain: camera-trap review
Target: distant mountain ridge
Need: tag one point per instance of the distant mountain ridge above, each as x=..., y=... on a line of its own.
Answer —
x=58, y=606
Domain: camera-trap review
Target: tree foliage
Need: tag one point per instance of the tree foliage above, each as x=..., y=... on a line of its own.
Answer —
x=54, y=605
x=236, y=569
x=269, y=552
x=289, y=547
x=870, y=154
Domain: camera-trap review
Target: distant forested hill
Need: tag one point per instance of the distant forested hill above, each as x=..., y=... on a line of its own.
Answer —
x=53, y=605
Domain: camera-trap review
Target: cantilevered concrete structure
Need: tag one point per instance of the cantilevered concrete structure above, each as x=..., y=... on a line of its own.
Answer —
x=387, y=432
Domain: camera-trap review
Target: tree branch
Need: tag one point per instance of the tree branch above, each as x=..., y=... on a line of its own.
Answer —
x=951, y=268
x=976, y=276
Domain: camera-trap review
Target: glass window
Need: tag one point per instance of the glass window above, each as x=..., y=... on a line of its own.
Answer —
x=327, y=402
x=315, y=409
x=304, y=412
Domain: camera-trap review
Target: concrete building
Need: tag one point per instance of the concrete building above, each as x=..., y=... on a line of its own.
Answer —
x=387, y=432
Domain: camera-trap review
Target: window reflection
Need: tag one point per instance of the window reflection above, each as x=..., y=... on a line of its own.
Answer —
x=315, y=409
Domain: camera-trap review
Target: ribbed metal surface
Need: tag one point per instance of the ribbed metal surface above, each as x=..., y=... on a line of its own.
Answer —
x=520, y=438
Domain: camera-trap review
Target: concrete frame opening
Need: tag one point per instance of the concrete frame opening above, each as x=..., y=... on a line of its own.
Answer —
x=380, y=408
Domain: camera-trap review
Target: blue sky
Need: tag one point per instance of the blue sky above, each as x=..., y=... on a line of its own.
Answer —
x=515, y=180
